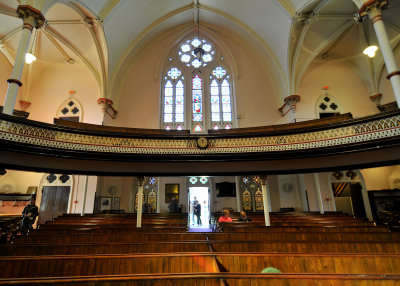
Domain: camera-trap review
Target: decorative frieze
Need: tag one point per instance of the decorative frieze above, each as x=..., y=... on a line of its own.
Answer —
x=357, y=133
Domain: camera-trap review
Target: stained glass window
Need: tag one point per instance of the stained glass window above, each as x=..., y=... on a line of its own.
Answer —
x=174, y=99
x=197, y=100
x=220, y=98
x=259, y=200
x=188, y=56
x=246, y=201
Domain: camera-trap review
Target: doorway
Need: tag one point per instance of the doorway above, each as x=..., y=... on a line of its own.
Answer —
x=202, y=195
x=54, y=202
x=348, y=198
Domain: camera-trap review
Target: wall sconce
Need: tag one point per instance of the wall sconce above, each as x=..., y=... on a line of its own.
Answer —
x=370, y=51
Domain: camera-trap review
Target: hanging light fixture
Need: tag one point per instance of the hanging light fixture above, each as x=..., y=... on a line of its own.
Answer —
x=199, y=52
x=29, y=56
x=370, y=51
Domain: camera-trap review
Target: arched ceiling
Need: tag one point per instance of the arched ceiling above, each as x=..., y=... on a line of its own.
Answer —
x=288, y=36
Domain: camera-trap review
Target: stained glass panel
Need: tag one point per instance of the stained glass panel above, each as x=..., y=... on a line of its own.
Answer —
x=196, y=63
x=196, y=42
x=174, y=73
x=215, y=127
x=207, y=47
x=196, y=82
x=207, y=58
x=197, y=127
x=185, y=58
x=259, y=200
x=179, y=109
x=179, y=127
x=179, y=100
x=168, y=100
x=197, y=108
x=214, y=99
x=167, y=117
x=215, y=117
x=226, y=108
x=168, y=109
x=219, y=72
x=197, y=117
x=226, y=99
x=227, y=117
x=179, y=117
x=215, y=108
x=227, y=126
x=185, y=48
x=246, y=201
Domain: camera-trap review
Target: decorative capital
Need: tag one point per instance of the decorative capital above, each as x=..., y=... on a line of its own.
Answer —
x=106, y=106
x=368, y=5
x=289, y=104
x=24, y=104
x=376, y=98
x=32, y=17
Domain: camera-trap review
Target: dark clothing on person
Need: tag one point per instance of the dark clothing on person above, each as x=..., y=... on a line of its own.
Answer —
x=29, y=215
x=173, y=206
x=198, y=213
x=245, y=219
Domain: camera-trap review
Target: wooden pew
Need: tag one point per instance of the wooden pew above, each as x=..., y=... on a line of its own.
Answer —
x=77, y=265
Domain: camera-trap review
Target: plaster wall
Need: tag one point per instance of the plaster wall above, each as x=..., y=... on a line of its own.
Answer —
x=139, y=103
x=345, y=86
x=217, y=204
x=52, y=89
x=377, y=178
x=289, y=192
x=183, y=194
x=19, y=181
x=274, y=197
x=5, y=73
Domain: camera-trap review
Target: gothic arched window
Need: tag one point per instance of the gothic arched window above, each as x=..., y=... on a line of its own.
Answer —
x=196, y=88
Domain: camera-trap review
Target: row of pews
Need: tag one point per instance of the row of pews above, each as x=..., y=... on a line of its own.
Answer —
x=308, y=249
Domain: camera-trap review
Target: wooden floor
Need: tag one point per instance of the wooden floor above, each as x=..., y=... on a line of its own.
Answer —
x=308, y=249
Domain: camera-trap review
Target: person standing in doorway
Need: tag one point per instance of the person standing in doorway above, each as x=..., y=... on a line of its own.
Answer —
x=193, y=208
x=198, y=212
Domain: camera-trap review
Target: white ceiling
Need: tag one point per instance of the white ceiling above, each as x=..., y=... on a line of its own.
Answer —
x=287, y=35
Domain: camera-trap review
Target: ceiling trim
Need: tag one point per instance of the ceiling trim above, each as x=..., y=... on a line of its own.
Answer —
x=281, y=77
x=63, y=40
x=114, y=76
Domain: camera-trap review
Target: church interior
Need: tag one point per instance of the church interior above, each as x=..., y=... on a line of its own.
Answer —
x=126, y=107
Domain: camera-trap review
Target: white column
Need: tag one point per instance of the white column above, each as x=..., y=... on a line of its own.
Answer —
x=84, y=197
x=318, y=190
x=32, y=19
x=237, y=183
x=375, y=14
x=265, y=199
x=140, y=202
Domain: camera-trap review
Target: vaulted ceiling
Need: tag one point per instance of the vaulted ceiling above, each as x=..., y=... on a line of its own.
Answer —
x=288, y=36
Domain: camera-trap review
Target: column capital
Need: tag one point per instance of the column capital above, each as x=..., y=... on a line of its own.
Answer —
x=32, y=17
x=376, y=98
x=289, y=104
x=368, y=5
x=106, y=104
